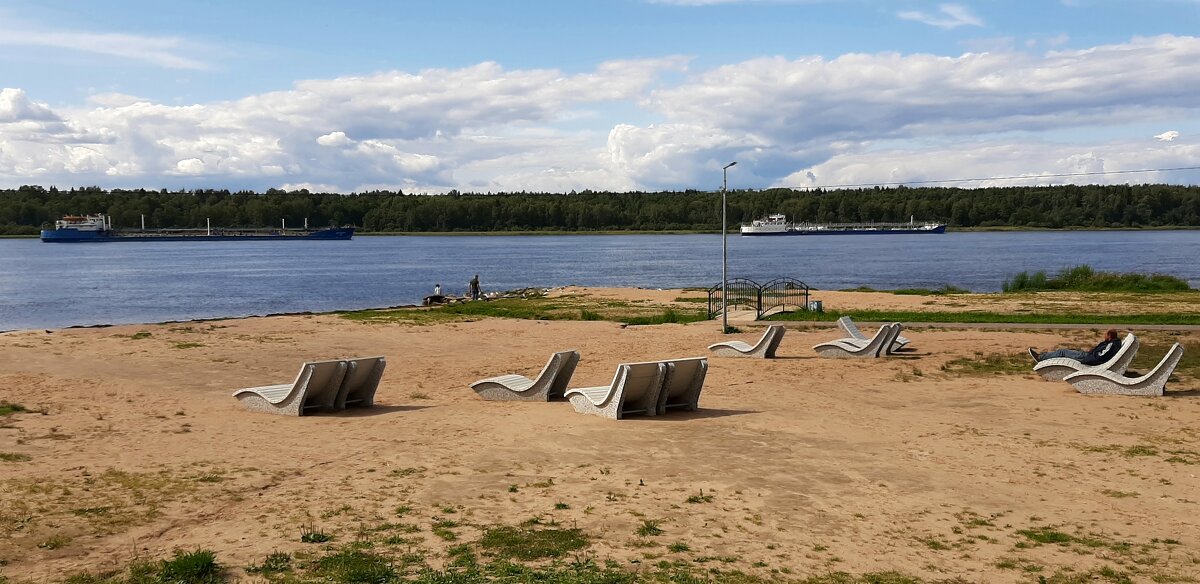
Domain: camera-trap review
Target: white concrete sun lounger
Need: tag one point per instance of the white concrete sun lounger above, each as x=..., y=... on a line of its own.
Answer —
x=847, y=325
x=1058, y=368
x=634, y=390
x=1110, y=383
x=683, y=384
x=877, y=346
x=315, y=387
x=361, y=381
x=549, y=384
x=763, y=349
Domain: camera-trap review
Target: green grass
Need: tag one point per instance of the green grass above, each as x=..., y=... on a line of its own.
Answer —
x=532, y=544
x=534, y=308
x=198, y=567
x=1043, y=535
x=274, y=563
x=310, y=534
x=8, y=409
x=945, y=290
x=908, y=316
x=442, y=529
x=354, y=565
x=1085, y=279
x=668, y=316
x=649, y=528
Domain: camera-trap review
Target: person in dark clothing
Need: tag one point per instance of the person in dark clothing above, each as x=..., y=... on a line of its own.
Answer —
x=1097, y=356
x=475, y=287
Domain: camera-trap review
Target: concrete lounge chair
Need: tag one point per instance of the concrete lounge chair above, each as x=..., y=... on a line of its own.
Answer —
x=361, y=381
x=1058, y=368
x=634, y=390
x=316, y=387
x=1110, y=383
x=549, y=384
x=683, y=384
x=855, y=348
x=763, y=349
x=847, y=325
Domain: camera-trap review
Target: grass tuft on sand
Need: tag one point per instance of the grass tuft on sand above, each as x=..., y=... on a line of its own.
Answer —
x=1085, y=278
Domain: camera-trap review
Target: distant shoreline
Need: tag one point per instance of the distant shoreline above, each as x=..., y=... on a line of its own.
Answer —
x=709, y=232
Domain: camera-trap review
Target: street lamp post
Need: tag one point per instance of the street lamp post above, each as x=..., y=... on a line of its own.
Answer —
x=724, y=249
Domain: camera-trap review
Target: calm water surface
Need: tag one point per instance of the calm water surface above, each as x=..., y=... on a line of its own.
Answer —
x=57, y=285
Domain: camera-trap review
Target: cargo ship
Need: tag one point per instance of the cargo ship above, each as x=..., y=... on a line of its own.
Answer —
x=96, y=228
x=778, y=225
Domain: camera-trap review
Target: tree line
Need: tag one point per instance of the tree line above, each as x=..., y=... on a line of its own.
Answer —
x=26, y=209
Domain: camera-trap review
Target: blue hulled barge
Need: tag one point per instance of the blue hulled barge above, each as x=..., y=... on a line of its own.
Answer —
x=98, y=228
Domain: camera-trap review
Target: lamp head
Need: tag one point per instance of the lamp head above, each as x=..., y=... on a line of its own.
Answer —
x=730, y=164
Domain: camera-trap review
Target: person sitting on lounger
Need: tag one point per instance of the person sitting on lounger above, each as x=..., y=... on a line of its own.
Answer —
x=1097, y=356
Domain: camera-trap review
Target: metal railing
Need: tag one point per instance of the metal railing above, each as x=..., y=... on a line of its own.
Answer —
x=778, y=295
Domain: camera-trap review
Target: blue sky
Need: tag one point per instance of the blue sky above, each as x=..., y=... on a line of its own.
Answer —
x=429, y=96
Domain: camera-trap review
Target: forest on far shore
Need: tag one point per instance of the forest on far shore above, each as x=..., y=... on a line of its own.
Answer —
x=23, y=211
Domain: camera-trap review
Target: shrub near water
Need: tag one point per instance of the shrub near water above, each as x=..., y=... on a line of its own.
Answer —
x=1086, y=279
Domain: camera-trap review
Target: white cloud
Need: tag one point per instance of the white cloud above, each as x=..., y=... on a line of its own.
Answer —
x=15, y=106
x=1044, y=163
x=114, y=99
x=334, y=139
x=950, y=16
x=190, y=166
x=412, y=129
x=857, y=117
x=1168, y=136
x=166, y=52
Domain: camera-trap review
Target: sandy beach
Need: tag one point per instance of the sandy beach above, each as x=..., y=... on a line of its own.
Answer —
x=132, y=446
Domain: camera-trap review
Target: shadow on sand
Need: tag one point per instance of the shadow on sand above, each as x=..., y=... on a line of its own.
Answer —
x=372, y=411
x=678, y=416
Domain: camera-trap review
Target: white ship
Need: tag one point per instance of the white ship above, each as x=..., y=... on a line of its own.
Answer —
x=773, y=224
x=778, y=225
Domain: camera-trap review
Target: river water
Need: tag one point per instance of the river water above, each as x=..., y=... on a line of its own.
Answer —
x=57, y=285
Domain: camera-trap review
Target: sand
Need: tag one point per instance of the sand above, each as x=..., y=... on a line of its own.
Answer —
x=134, y=447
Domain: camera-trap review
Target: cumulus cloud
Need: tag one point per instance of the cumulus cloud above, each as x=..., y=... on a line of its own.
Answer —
x=999, y=163
x=1168, y=136
x=949, y=16
x=854, y=118
x=15, y=106
x=800, y=106
x=334, y=139
x=412, y=129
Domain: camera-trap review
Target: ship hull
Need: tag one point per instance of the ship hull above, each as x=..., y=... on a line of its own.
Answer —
x=73, y=236
x=938, y=229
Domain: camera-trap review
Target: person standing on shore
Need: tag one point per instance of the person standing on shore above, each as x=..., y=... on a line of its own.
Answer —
x=437, y=289
x=475, y=287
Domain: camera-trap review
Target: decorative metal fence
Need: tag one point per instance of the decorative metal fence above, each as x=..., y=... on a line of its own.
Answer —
x=783, y=295
x=778, y=295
